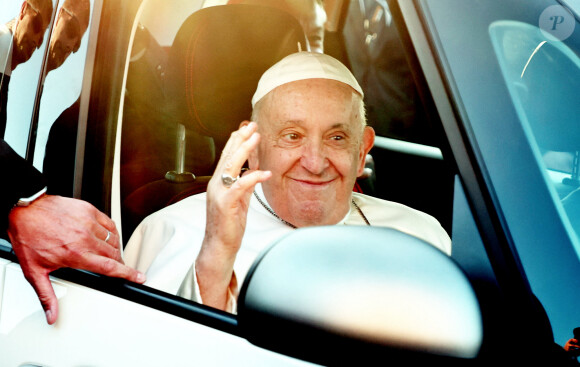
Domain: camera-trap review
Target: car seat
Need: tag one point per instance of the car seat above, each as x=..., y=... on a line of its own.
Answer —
x=213, y=68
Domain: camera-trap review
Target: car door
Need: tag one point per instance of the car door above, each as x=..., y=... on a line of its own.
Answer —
x=481, y=70
x=104, y=321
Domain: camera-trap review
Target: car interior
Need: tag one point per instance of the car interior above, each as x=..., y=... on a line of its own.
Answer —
x=182, y=102
x=205, y=95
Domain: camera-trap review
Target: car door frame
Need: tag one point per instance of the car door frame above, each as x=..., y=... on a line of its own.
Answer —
x=515, y=307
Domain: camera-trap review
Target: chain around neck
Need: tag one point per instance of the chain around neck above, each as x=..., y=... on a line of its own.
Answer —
x=271, y=211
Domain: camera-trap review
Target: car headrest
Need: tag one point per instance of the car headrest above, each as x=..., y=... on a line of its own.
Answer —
x=216, y=60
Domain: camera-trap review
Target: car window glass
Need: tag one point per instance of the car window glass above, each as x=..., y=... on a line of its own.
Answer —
x=543, y=75
x=377, y=59
x=514, y=83
x=541, y=66
x=24, y=29
x=57, y=121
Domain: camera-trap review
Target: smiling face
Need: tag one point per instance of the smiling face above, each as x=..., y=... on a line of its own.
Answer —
x=314, y=142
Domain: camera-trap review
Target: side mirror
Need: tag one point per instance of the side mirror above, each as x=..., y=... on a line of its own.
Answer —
x=345, y=294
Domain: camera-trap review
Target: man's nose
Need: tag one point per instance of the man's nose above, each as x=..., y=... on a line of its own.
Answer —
x=37, y=40
x=314, y=157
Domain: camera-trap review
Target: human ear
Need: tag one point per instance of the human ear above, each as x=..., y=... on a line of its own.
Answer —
x=23, y=9
x=368, y=140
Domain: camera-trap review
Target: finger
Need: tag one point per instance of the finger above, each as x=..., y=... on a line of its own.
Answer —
x=251, y=178
x=104, y=234
x=112, y=268
x=108, y=248
x=106, y=222
x=113, y=240
x=230, y=151
x=45, y=292
x=109, y=226
x=243, y=133
x=236, y=161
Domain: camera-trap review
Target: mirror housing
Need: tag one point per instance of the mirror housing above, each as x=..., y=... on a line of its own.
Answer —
x=337, y=294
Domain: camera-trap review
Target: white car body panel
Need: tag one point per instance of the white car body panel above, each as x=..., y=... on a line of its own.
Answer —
x=122, y=333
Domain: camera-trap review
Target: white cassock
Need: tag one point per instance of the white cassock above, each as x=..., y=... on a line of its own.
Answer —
x=165, y=245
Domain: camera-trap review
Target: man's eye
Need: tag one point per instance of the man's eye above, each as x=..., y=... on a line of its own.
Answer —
x=338, y=138
x=289, y=139
x=291, y=136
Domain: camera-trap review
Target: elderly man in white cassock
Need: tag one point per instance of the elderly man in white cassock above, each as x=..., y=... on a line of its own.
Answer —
x=305, y=147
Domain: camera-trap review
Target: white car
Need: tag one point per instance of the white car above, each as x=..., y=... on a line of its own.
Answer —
x=476, y=112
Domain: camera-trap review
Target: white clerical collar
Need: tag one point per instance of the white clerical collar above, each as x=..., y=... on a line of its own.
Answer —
x=260, y=196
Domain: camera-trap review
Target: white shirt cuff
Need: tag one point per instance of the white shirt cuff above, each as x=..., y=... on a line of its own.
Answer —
x=189, y=289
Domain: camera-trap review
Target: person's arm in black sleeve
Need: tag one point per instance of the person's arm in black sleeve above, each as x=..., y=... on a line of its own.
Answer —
x=19, y=180
x=54, y=232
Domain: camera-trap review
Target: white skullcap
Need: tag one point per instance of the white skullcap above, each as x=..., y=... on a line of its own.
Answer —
x=304, y=65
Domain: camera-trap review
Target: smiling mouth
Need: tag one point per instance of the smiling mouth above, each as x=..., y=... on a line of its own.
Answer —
x=311, y=183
